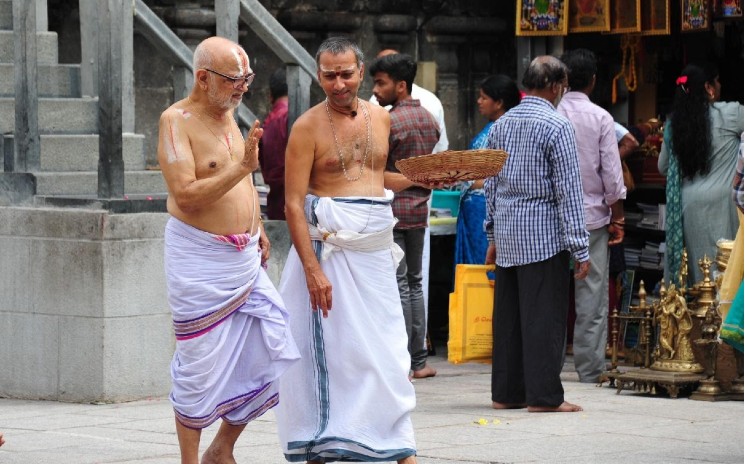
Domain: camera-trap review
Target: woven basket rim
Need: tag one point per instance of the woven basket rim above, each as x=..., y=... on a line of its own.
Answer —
x=453, y=165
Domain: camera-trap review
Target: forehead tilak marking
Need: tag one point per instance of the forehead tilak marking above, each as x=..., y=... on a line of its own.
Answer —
x=241, y=60
x=337, y=70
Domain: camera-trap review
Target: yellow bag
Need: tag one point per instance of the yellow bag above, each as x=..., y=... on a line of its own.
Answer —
x=470, y=315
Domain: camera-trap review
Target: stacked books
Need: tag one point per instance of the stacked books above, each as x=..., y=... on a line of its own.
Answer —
x=650, y=216
x=651, y=257
x=644, y=254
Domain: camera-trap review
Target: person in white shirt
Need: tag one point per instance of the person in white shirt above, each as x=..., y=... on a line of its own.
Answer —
x=431, y=103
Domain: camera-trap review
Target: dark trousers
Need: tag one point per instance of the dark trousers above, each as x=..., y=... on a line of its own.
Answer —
x=529, y=326
x=409, y=277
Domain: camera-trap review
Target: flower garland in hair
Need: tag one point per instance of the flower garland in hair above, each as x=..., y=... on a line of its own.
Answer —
x=681, y=82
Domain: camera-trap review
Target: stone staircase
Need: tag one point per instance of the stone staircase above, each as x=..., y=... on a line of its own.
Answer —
x=67, y=124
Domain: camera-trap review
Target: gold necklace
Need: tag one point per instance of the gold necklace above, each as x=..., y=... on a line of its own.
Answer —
x=368, y=126
x=199, y=116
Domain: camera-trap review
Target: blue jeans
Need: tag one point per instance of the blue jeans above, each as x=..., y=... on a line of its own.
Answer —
x=409, y=277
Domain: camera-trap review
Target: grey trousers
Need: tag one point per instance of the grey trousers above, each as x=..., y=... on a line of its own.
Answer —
x=409, y=277
x=591, y=306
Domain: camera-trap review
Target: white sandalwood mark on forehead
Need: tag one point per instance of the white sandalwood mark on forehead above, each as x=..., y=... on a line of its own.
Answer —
x=241, y=61
x=337, y=69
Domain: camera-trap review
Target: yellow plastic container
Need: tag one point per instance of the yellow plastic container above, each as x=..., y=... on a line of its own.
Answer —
x=470, y=315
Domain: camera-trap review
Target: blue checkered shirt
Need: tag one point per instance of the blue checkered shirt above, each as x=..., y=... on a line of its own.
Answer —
x=534, y=205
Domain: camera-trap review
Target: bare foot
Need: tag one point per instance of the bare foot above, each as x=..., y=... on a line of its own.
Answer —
x=424, y=372
x=563, y=407
x=497, y=405
x=214, y=456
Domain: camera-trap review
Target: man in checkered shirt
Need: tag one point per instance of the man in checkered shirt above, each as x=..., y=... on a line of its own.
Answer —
x=414, y=132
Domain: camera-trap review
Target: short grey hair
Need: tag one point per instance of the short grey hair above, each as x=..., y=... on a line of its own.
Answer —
x=337, y=46
x=203, y=58
x=543, y=72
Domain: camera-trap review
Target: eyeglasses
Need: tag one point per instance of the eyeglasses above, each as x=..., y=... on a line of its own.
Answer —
x=237, y=81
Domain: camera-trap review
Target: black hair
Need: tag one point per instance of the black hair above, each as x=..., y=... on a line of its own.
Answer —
x=691, y=138
x=278, y=84
x=400, y=66
x=500, y=87
x=582, y=66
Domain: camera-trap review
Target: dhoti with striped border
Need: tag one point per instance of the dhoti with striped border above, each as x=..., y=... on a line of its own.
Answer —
x=232, y=331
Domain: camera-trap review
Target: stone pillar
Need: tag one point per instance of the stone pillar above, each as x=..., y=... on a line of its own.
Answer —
x=89, y=79
x=226, y=18
x=298, y=93
x=110, y=90
x=26, y=135
x=88, y=48
x=42, y=17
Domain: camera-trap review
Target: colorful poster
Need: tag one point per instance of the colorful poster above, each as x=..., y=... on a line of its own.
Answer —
x=694, y=15
x=728, y=8
x=541, y=17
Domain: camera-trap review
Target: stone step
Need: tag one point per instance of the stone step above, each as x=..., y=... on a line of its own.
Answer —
x=72, y=153
x=86, y=183
x=56, y=115
x=55, y=80
x=46, y=47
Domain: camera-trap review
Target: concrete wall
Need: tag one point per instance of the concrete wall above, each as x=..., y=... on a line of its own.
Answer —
x=83, y=310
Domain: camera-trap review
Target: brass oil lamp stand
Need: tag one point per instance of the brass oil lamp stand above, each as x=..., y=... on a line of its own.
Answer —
x=671, y=364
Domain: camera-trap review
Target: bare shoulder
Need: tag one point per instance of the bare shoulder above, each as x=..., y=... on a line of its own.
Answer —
x=377, y=111
x=309, y=120
x=173, y=112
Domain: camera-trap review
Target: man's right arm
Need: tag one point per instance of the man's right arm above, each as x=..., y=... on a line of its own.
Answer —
x=178, y=167
x=568, y=188
x=299, y=159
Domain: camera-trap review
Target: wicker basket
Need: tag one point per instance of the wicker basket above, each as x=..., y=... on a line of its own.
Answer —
x=452, y=166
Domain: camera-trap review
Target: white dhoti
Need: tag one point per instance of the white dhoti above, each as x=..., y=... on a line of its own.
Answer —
x=232, y=332
x=350, y=398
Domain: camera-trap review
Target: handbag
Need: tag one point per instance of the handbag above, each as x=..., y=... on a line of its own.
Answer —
x=470, y=315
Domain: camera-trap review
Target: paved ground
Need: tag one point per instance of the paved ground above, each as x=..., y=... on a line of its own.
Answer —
x=453, y=422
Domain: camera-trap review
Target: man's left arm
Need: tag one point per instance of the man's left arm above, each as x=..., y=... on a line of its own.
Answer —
x=611, y=175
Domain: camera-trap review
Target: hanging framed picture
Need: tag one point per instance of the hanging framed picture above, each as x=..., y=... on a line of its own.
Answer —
x=589, y=15
x=541, y=17
x=727, y=8
x=625, y=16
x=695, y=15
x=655, y=17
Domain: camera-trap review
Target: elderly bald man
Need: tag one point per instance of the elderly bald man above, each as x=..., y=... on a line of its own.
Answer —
x=232, y=333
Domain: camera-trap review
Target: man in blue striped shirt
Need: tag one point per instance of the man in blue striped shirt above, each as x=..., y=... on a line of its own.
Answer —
x=534, y=222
